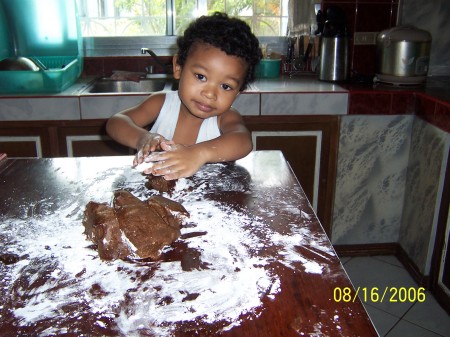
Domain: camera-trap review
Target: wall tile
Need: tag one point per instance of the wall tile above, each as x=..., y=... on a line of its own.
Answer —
x=120, y=63
x=403, y=103
x=442, y=117
x=425, y=108
x=93, y=66
x=348, y=7
x=372, y=17
x=367, y=103
x=364, y=60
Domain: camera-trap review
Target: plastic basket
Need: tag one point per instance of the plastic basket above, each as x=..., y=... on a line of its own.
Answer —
x=61, y=73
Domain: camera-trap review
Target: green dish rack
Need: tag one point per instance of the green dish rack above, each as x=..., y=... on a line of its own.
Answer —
x=61, y=72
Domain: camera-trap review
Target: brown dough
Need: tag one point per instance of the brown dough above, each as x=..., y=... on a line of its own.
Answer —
x=133, y=228
x=159, y=183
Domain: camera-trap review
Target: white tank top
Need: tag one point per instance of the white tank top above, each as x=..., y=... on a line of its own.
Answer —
x=168, y=116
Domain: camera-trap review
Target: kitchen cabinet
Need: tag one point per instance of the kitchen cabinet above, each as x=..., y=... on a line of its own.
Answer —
x=58, y=139
x=87, y=139
x=27, y=139
x=309, y=144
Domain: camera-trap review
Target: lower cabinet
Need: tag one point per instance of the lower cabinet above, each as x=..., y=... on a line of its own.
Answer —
x=58, y=139
x=309, y=144
x=89, y=140
x=27, y=139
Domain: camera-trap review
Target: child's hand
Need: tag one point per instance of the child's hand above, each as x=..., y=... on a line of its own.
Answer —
x=176, y=161
x=149, y=143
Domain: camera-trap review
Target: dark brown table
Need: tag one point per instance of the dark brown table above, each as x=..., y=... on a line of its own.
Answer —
x=252, y=260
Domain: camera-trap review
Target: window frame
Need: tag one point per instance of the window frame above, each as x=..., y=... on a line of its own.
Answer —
x=162, y=45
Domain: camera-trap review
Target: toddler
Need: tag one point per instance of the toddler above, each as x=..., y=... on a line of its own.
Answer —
x=216, y=60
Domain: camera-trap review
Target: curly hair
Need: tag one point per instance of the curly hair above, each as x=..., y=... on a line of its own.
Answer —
x=231, y=35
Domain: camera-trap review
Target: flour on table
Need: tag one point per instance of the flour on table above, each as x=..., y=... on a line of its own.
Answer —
x=144, y=166
x=229, y=281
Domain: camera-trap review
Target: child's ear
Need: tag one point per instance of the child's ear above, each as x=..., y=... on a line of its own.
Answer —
x=176, y=68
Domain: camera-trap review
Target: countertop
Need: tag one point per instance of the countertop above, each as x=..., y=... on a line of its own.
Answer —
x=299, y=95
x=252, y=259
x=437, y=87
x=306, y=83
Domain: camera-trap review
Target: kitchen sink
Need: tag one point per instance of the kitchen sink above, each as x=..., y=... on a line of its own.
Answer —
x=147, y=85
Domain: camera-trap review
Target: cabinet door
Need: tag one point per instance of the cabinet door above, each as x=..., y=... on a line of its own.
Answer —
x=94, y=145
x=25, y=139
x=21, y=146
x=309, y=144
x=89, y=139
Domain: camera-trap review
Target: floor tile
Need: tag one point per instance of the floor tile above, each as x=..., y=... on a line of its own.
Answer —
x=344, y=260
x=391, y=259
x=430, y=315
x=382, y=320
x=406, y=329
x=372, y=275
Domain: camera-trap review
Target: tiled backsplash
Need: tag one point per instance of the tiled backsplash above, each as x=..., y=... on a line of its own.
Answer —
x=365, y=16
x=432, y=110
x=105, y=66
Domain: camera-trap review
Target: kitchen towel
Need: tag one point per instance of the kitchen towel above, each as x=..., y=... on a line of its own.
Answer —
x=301, y=16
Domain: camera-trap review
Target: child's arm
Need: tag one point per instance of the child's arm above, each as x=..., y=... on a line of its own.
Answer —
x=180, y=161
x=128, y=127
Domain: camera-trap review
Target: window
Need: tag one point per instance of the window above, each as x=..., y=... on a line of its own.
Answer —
x=122, y=18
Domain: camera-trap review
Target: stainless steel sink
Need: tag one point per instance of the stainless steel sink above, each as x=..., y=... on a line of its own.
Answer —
x=148, y=85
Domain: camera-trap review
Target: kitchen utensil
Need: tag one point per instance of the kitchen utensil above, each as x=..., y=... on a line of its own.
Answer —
x=298, y=62
x=402, y=55
x=18, y=63
x=308, y=48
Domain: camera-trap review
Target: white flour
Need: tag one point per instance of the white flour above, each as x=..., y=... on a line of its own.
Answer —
x=229, y=281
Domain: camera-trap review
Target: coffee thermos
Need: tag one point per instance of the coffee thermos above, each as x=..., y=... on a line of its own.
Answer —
x=334, y=53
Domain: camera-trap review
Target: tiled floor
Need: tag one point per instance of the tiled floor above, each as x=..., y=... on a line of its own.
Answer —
x=426, y=319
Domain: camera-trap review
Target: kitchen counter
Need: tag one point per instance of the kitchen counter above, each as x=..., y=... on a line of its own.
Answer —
x=305, y=83
x=299, y=95
x=252, y=259
x=264, y=97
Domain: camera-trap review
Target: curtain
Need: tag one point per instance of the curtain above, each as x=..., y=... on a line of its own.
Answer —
x=301, y=16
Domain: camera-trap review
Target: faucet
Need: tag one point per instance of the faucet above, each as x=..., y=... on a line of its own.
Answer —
x=165, y=67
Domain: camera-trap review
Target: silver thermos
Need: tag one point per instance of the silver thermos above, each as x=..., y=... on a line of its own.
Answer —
x=334, y=54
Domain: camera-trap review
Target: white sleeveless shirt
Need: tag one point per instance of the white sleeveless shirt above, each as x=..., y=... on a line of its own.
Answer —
x=168, y=116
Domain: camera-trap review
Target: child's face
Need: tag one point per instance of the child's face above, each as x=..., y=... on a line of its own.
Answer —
x=210, y=80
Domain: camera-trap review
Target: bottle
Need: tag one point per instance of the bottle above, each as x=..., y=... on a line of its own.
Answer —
x=334, y=52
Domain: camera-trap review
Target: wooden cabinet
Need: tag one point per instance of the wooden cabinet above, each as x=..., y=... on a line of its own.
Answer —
x=58, y=139
x=26, y=139
x=309, y=144
x=88, y=140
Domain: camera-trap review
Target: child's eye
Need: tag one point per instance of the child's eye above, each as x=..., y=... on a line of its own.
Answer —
x=226, y=87
x=200, y=77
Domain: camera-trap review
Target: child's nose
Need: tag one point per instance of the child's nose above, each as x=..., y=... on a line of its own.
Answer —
x=209, y=91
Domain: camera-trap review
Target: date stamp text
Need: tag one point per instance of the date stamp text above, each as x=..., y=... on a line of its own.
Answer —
x=379, y=295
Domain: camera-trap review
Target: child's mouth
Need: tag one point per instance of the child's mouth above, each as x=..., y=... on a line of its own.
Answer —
x=203, y=107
